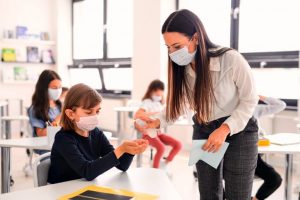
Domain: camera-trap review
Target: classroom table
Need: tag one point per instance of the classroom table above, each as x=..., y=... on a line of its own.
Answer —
x=40, y=143
x=145, y=180
x=289, y=151
x=6, y=122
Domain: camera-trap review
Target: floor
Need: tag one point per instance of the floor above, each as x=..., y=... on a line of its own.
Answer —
x=180, y=174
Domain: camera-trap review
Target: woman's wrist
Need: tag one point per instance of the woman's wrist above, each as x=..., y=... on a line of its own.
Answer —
x=225, y=129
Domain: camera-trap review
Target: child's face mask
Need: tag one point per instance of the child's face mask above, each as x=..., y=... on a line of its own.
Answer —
x=54, y=94
x=88, y=123
x=156, y=98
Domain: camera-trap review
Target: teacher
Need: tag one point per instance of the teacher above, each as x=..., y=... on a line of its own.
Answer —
x=216, y=82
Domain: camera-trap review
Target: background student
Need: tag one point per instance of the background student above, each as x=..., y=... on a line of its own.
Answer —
x=46, y=106
x=81, y=150
x=152, y=104
x=272, y=179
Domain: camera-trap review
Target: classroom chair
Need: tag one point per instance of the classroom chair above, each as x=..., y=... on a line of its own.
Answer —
x=40, y=169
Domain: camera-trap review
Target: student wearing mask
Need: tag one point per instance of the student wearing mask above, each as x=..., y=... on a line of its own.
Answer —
x=217, y=83
x=64, y=92
x=152, y=104
x=81, y=150
x=272, y=180
x=46, y=106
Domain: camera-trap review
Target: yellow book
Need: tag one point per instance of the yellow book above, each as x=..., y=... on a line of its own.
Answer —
x=93, y=192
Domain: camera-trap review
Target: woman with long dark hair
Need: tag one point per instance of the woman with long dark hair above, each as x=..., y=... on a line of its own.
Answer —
x=46, y=106
x=216, y=82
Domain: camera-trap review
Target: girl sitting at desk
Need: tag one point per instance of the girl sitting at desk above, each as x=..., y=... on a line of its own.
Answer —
x=81, y=150
x=46, y=106
x=272, y=179
x=152, y=104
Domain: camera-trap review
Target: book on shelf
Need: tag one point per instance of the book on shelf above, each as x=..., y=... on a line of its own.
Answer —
x=47, y=56
x=44, y=36
x=8, y=55
x=21, y=55
x=20, y=74
x=21, y=32
x=33, y=54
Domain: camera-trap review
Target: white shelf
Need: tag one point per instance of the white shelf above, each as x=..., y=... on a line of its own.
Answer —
x=19, y=82
x=28, y=42
x=26, y=63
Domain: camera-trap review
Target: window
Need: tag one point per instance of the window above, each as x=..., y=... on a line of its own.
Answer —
x=88, y=29
x=102, y=45
x=88, y=76
x=215, y=16
x=117, y=79
x=119, y=28
x=278, y=83
x=107, y=78
x=269, y=25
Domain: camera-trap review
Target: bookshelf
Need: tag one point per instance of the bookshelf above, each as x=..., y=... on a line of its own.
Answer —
x=28, y=42
x=31, y=70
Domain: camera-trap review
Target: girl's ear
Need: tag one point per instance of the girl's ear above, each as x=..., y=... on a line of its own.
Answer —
x=70, y=114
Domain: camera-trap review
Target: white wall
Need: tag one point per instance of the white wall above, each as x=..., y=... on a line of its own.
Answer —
x=64, y=38
x=149, y=59
x=52, y=16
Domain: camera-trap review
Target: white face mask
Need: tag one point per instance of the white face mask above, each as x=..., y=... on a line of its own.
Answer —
x=182, y=57
x=156, y=98
x=88, y=123
x=54, y=94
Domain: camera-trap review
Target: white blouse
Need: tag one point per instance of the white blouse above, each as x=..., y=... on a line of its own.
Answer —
x=233, y=87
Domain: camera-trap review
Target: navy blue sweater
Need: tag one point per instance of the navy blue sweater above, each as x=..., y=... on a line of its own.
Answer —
x=74, y=156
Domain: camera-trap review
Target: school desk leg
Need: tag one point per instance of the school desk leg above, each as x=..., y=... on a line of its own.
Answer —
x=288, y=176
x=119, y=127
x=5, y=169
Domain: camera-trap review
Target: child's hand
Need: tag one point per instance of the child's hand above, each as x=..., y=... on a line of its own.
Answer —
x=143, y=144
x=140, y=128
x=152, y=113
x=131, y=147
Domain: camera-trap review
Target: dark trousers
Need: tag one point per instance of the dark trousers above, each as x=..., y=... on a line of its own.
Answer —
x=237, y=167
x=272, y=179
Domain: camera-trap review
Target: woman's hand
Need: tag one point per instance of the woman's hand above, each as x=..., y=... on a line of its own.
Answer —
x=216, y=139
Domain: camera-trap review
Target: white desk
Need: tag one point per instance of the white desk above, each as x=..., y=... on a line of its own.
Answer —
x=40, y=143
x=289, y=151
x=145, y=180
x=6, y=122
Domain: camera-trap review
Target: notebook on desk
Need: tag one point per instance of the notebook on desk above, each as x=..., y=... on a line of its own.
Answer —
x=284, y=138
x=103, y=193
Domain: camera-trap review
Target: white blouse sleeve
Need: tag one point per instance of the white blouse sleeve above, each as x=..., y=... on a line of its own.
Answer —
x=248, y=98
